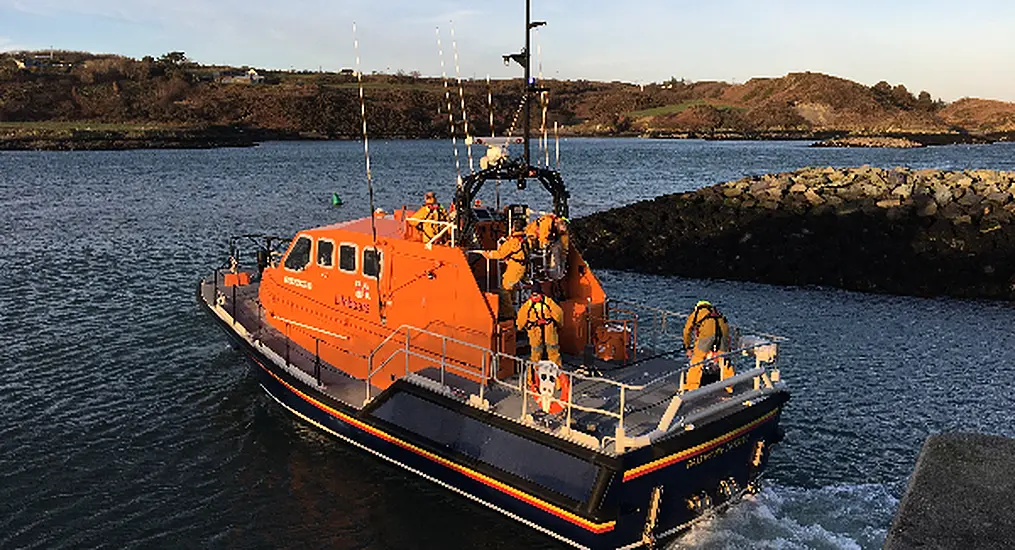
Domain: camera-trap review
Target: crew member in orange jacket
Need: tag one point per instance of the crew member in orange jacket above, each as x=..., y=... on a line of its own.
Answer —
x=515, y=253
x=706, y=335
x=541, y=317
x=427, y=216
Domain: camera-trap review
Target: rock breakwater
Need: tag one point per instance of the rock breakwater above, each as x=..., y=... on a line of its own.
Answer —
x=859, y=141
x=899, y=231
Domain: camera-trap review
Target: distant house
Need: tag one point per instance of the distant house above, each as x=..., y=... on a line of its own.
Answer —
x=39, y=63
x=251, y=76
x=347, y=72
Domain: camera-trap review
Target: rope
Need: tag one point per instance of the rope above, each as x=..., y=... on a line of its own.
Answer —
x=451, y=116
x=461, y=97
x=370, y=180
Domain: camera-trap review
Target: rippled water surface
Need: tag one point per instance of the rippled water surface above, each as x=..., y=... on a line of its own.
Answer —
x=127, y=421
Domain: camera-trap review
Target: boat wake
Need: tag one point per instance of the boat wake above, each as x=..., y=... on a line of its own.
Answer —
x=842, y=516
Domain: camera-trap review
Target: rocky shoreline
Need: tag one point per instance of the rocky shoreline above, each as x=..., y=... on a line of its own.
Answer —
x=860, y=141
x=30, y=138
x=898, y=231
x=833, y=138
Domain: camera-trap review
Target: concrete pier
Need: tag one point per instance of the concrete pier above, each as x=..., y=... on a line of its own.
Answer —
x=961, y=495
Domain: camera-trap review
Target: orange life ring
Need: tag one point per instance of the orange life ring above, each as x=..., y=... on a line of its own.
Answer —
x=544, y=383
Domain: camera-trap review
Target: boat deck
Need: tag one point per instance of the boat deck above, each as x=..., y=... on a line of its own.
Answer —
x=652, y=382
x=243, y=309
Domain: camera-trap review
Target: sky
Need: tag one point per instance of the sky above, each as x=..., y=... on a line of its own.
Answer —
x=950, y=48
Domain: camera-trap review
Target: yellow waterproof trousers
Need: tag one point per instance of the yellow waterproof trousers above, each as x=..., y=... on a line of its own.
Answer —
x=544, y=338
x=692, y=380
x=513, y=274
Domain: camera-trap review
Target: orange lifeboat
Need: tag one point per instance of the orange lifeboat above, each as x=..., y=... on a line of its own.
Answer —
x=402, y=342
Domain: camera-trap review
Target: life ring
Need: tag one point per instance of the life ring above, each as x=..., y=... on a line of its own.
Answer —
x=547, y=380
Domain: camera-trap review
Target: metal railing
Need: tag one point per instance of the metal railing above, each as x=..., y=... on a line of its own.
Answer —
x=655, y=327
x=442, y=362
x=447, y=230
x=256, y=335
x=493, y=271
x=625, y=395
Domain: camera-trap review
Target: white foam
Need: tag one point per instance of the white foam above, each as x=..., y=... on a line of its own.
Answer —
x=839, y=517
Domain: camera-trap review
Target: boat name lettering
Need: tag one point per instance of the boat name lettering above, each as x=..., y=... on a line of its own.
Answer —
x=298, y=282
x=718, y=451
x=352, y=303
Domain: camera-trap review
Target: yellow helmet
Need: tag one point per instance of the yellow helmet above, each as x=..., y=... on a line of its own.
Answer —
x=702, y=303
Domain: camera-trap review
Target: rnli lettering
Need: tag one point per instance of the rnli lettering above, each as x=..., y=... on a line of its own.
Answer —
x=362, y=290
x=352, y=303
x=298, y=282
x=718, y=451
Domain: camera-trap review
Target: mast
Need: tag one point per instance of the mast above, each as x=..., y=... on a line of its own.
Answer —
x=528, y=79
x=508, y=168
x=524, y=59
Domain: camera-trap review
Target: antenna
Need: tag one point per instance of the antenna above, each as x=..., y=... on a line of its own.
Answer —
x=524, y=58
x=451, y=116
x=556, y=140
x=546, y=142
x=461, y=96
x=489, y=101
x=543, y=143
x=370, y=179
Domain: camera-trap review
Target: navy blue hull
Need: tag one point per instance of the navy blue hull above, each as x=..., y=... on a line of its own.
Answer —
x=457, y=477
x=615, y=512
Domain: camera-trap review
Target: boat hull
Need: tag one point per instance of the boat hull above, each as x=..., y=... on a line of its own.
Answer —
x=611, y=512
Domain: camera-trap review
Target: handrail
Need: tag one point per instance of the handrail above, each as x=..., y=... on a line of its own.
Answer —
x=446, y=227
x=626, y=392
x=407, y=350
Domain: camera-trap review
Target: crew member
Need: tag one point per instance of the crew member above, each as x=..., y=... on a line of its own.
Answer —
x=541, y=317
x=706, y=336
x=548, y=229
x=549, y=234
x=428, y=217
x=515, y=253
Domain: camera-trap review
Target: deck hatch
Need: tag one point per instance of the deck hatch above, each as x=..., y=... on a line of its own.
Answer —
x=555, y=470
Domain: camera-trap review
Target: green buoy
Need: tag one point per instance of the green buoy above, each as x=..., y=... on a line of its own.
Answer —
x=336, y=200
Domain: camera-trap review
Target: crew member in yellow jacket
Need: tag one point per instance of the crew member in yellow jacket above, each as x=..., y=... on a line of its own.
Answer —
x=549, y=233
x=541, y=317
x=706, y=335
x=428, y=218
x=547, y=229
x=515, y=253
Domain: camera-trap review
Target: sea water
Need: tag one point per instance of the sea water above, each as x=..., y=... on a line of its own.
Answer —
x=128, y=421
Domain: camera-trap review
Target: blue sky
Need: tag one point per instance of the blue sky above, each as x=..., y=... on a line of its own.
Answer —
x=952, y=49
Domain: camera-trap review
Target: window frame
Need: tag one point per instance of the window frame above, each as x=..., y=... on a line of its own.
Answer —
x=310, y=258
x=317, y=252
x=380, y=262
x=355, y=258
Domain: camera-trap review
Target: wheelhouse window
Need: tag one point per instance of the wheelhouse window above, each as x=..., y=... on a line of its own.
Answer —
x=299, y=255
x=347, y=258
x=325, y=253
x=371, y=262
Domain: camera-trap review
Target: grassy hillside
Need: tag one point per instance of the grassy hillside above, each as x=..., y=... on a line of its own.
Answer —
x=80, y=89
